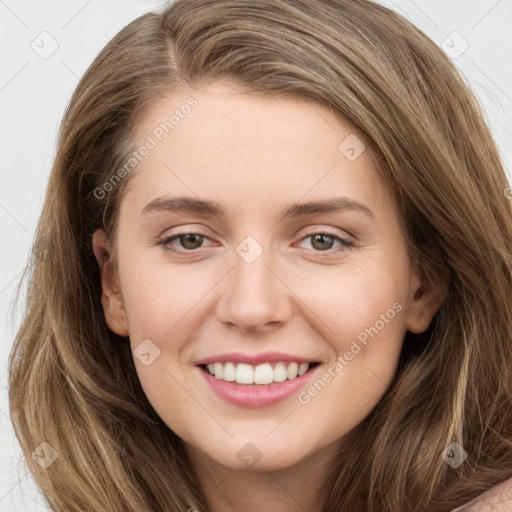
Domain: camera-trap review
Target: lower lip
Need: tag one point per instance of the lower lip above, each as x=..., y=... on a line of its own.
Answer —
x=257, y=395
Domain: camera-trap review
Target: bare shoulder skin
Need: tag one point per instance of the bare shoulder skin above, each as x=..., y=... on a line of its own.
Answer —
x=498, y=499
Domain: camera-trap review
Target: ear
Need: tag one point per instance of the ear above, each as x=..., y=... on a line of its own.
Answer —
x=425, y=298
x=111, y=297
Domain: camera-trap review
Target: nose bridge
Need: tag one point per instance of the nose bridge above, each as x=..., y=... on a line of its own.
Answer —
x=253, y=296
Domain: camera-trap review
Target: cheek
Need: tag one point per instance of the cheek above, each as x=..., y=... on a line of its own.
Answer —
x=361, y=315
x=354, y=302
x=164, y=308
x=160, y=298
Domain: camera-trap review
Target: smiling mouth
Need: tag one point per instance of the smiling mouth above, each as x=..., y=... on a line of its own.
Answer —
x=259, y=375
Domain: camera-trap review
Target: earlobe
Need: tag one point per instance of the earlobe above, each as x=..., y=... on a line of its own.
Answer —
x=425, y=300
x=111, y=297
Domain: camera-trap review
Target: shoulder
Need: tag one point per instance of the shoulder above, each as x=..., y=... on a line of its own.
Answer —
x=497, y=499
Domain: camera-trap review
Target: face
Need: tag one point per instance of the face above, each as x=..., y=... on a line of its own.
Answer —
x=299, y=279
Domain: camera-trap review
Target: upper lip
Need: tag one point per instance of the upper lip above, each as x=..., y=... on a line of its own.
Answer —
x=254, y=359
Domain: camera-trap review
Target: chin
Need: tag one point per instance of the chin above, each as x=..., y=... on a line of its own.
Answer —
x=259, y=455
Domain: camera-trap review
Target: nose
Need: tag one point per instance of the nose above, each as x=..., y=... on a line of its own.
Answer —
x=254, y=296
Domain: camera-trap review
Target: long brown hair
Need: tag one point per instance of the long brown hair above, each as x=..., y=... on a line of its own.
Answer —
x=72, y=382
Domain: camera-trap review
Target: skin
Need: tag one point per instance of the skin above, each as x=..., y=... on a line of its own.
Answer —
x=498, y=499
x=255, y=155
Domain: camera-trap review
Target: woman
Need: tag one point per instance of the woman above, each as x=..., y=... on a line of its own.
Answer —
x=261, y=369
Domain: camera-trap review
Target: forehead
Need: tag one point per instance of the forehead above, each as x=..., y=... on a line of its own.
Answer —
x=217, y=112
x=222, y=142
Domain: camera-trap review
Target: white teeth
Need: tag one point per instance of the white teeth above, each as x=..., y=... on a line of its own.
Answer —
x=264, y=373
x=244, y=373
x=303, y=368
x=291, y=372
x=280, y=373
x=229, y=372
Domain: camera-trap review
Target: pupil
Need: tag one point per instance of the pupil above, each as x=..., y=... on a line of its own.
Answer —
x=189, y=239
x=319, y=237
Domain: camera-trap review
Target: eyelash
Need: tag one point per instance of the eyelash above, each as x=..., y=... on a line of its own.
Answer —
x=345, y=244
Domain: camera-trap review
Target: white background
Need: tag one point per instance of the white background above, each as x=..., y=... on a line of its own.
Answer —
x=34, y=92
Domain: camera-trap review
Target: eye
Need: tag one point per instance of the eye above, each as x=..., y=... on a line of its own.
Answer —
x=323, y=242
x=189, y=242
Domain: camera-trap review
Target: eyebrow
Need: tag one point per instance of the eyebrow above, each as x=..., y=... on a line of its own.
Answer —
x=212, y=208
